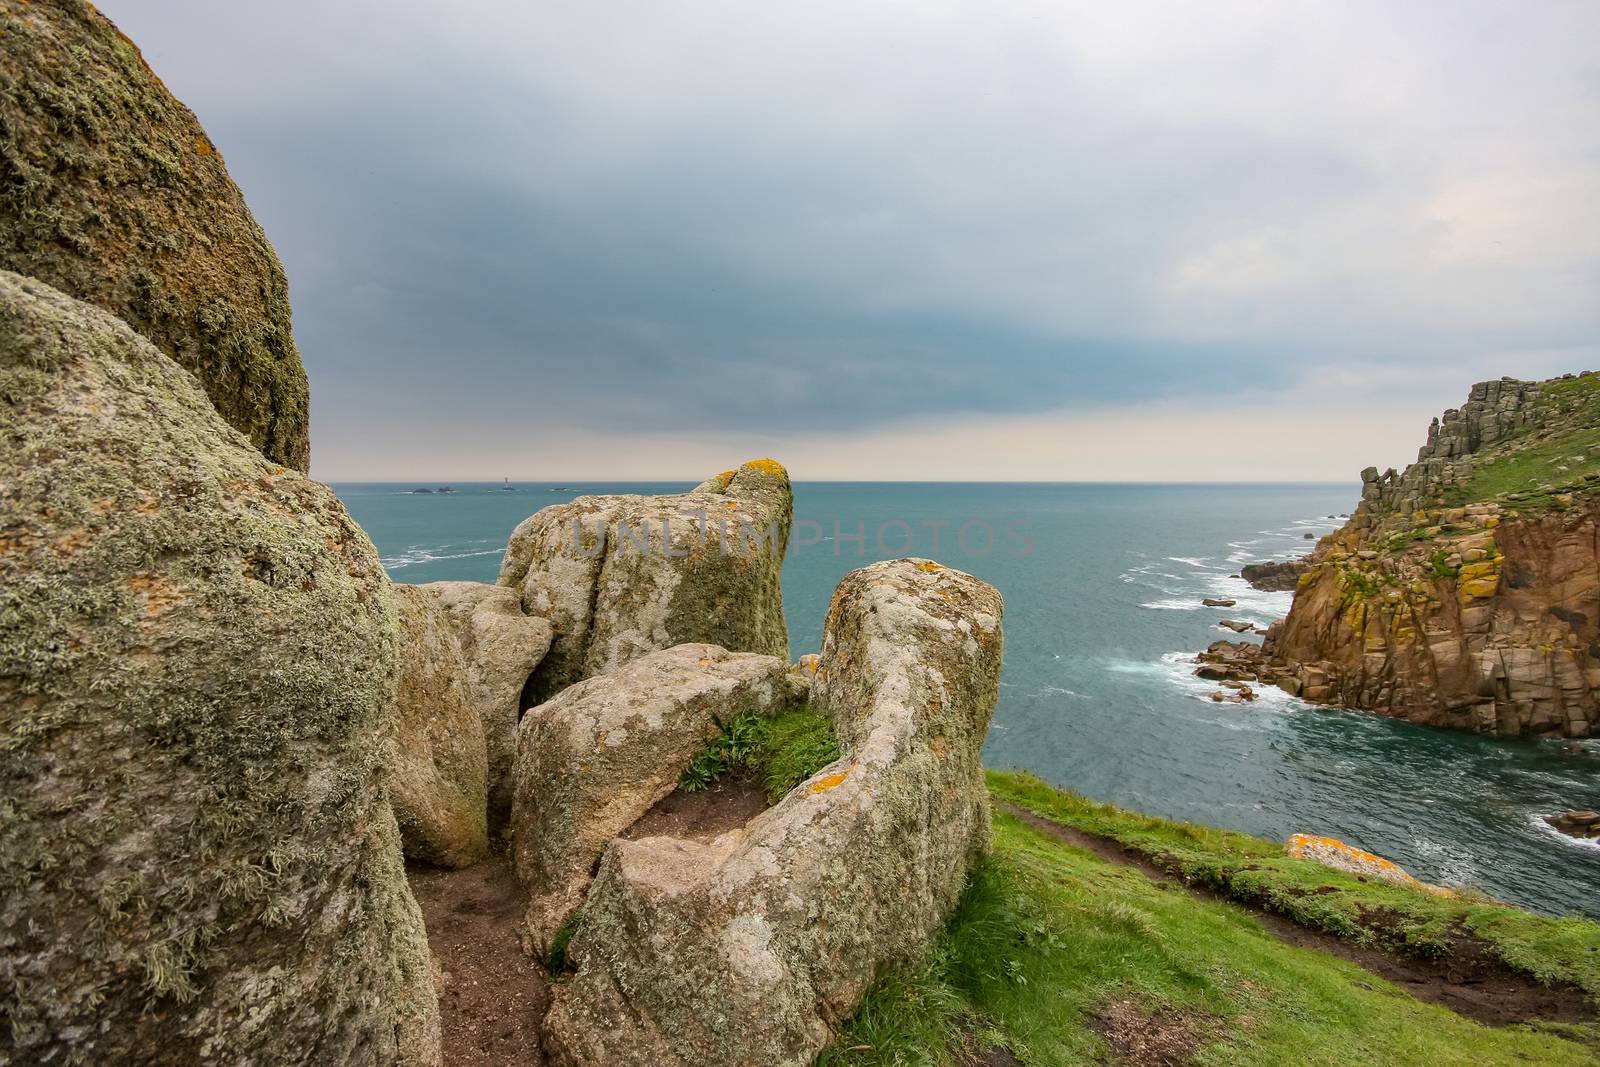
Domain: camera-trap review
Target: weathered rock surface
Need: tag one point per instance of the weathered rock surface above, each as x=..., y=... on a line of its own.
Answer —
x=601, y=753
x=198, y=861
x=502, y=647
x=1277, y=576
x=440, y=787
x=115, y=195
x=619, y=577
x=1466, y=591
x=1332, y=852
x=752, y=947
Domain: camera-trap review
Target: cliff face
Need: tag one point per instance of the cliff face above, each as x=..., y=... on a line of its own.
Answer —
x=1465, y=591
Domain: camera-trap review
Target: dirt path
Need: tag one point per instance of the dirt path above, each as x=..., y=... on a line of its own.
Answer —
x=494, y=996
x=1469, y=982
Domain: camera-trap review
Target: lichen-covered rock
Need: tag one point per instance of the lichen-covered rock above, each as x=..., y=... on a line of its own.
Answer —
x=502, y=646
x=113, y=194
x=1465, y=592
x=1332, y=852
x=597, y=756
x=441, y=781
x=751, y=948
x=198, y=860
x=622, y=576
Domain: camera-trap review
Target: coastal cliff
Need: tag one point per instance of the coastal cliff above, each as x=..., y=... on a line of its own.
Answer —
x=1465, y=591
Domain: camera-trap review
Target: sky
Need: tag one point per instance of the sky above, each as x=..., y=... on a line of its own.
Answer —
x=914, y=240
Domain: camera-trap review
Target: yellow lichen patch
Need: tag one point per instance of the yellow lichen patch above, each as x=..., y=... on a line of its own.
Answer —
x=832, y=781
x=1332, y=852
x=766, y=466
x=203, y=146
x=930, y=566
x=1479, y=580
x=732, y=504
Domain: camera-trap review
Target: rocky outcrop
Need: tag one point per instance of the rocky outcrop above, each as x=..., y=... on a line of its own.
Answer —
x=198, y=861
x=1465, y=592
x=598, y=756
x=115, y=195
x=619, y=577
x=502, y=647
x=750, y=948
x=440, y=787
x=1277, y=576
x=1584, y=825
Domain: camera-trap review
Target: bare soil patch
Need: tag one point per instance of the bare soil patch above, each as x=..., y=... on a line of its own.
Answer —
x=1165, y=1039
x=493, y=996
x=726, y=804
x=1469, y=980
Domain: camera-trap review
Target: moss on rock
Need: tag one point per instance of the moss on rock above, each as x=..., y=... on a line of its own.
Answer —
x=198, y=860
x=111, y=192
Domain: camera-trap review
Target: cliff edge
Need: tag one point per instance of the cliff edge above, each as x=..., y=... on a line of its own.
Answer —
x=1465, y=591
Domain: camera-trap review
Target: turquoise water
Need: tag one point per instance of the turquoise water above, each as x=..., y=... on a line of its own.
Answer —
x=1102, y=613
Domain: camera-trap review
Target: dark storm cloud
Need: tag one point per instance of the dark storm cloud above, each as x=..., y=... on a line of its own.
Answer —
x=774, y=219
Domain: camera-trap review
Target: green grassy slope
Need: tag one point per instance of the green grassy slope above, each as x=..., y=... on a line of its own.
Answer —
x=1057, y=956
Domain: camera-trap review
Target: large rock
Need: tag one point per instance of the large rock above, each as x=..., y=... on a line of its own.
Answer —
x=115, y=195
x=441, y=782
x=594, y=759
x=622, y=576
x=502, y=646
x=198, y=860
x=751, y=948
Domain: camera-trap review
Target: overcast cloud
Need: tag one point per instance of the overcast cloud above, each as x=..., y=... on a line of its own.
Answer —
x=905, y=240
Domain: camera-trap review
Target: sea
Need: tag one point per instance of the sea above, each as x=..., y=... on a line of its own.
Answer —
x=1103, y=587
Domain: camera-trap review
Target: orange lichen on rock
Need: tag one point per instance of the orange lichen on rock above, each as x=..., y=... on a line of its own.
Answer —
x=1332, y=852
x=930, y=566
x=832, y=781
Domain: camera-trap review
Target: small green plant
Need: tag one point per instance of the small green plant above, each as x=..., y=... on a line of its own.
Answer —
x=1440, y=562
x=780, y=752
x=728, y=751
x=557, y=960
x=1359, y=585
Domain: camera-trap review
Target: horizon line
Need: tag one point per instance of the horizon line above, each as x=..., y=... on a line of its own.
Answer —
x=431, y=482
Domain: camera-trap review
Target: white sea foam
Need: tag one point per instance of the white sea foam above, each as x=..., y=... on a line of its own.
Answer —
x=413, y=556
x=1535, y=819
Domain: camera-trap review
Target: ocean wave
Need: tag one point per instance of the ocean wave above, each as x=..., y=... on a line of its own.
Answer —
x=413, y=556
x=1535, y=819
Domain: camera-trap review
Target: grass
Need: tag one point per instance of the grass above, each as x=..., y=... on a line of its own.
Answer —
x=1048, y=939
x=1528, y=470
x=1364, y=911
x=780, y=752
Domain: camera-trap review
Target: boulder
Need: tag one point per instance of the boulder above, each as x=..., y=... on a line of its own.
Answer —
x=116, y=196
x=440, y=789
x=751, y=948
x=198, y=859
x=1332, y=852
x=1218, y=602
x=601, y=753
x=619, y=577
x=502, y=647
x=1277, y=576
